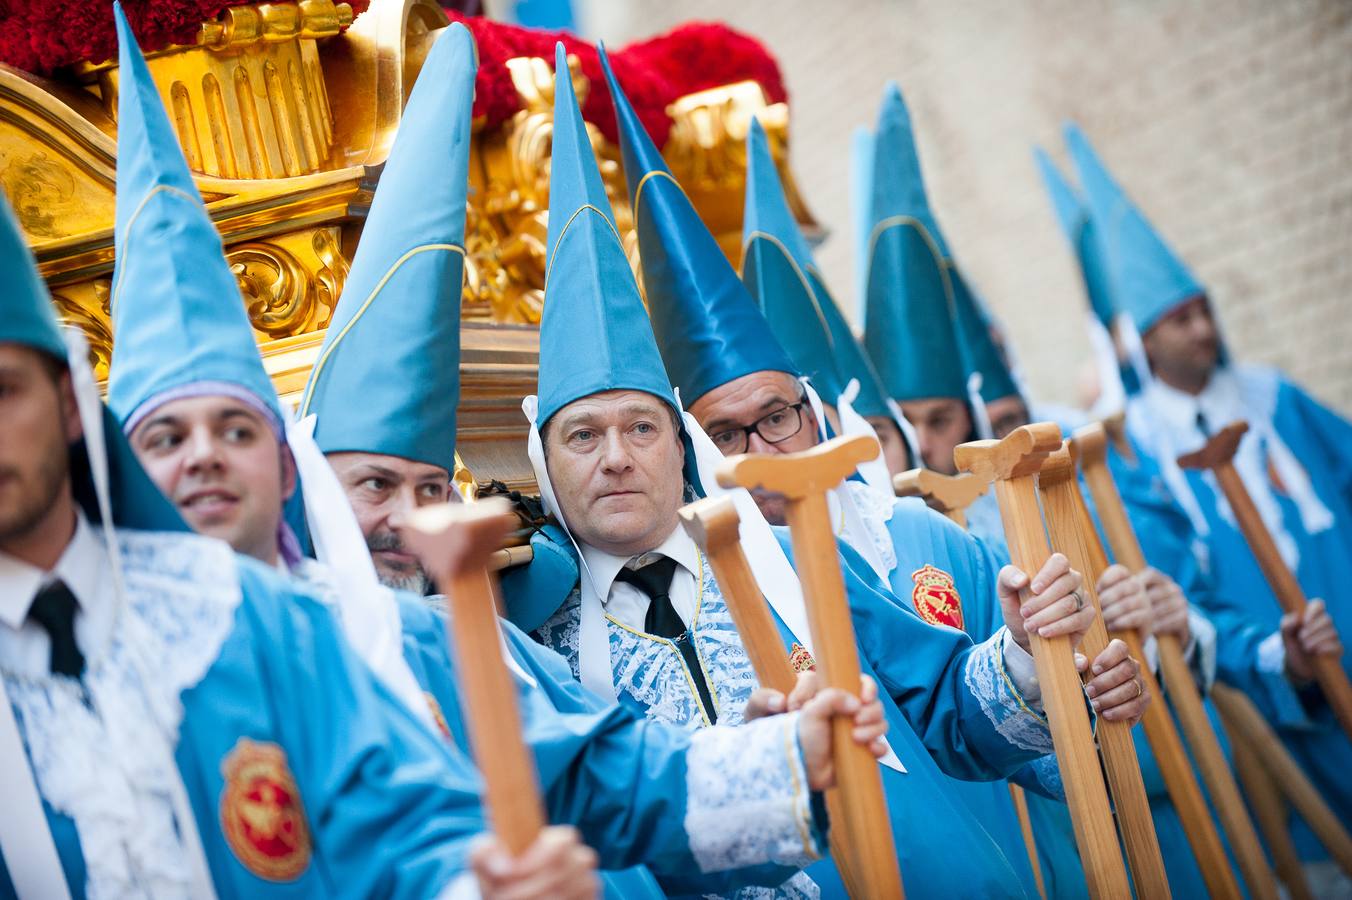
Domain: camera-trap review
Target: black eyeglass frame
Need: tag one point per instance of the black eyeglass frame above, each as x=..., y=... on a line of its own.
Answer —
x=754, y=428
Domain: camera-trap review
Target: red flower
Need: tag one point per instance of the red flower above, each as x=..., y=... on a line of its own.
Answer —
x=654, y=73
x=40, y=36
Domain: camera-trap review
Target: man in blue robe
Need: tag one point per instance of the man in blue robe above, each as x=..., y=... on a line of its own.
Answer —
x=194, y=724
x=1294, y=461
x=189, y=385
x=641, y=617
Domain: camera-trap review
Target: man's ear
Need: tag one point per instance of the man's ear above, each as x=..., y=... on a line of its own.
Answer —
x=288, y=463
x=69, y=408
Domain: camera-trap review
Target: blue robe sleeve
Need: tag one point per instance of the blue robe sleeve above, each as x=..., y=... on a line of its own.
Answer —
x=631, y=784
x=390, y=809
x=624, y=781
x=957, y=697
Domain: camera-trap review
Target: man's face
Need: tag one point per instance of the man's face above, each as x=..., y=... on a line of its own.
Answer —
x=774, y=402
x=220, y=462
x=940, y=425
x=895, y=452
x=615, y=461
x=40, y=421
x=1183, y=345
x=379, y=487
x=1006, y=414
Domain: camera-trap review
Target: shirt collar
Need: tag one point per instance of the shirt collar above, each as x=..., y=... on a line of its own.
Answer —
x=603, y=567
x=81, y=567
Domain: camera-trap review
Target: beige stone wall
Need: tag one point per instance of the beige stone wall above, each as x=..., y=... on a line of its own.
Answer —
x=1229, y=122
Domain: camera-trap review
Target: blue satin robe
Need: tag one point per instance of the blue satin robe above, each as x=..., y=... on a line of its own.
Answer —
x=389, y=809
x=935, y=721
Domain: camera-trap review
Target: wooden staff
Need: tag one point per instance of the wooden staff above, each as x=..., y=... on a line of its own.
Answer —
x=1090, y=448
x=1060, y=498
x=1012, y=464
x=455, y=542
x=1218, y=456
x=714, y=526
x=1269, y=810
x=804, y=479
x=1247, y=725
x=948, y=494
x=951, y=495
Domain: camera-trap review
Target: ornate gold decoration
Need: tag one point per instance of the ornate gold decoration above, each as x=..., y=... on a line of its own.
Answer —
x=287, y=122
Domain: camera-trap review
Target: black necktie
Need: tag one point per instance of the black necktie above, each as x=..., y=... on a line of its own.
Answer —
x=54, y=609
x=663, y=621
x=1201, y=425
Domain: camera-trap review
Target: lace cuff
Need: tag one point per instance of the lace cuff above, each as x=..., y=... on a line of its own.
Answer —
x=1201, y=650
x=1006, y=706
x=1272, y=655
x=748, y=800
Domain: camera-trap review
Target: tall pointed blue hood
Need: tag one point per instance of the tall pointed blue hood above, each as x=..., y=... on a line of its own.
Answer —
x=1148, y=279
x=776, y=267
x=27, y=318
x=387, y=380
x=178, y=318
x=1078, y=227
x=708, y=327
x=595, y=335
x=909, y=331
x=980, y=352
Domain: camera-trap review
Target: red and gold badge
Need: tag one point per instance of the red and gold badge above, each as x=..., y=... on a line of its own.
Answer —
x=261, y=812
x=935, y=597
x=437, y=715
x=800, y=659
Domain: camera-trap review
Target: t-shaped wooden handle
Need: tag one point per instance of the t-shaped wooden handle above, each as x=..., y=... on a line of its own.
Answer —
x=1013, y=464
x=1060, y=494
x=454, y=542
x=1218, y=456
x=1090, y=446
x=948, y=494
x=804, y=479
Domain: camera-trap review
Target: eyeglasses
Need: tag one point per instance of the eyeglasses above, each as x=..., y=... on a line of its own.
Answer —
x=774, y=427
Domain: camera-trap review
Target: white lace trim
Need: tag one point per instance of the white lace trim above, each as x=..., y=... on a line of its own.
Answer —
x=875, y=515
x=104, y=755
x=1011, y=717
x=747, y=797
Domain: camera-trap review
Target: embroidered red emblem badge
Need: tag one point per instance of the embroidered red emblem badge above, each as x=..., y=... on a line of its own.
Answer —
x=437, y=715
x=800, y=659
x=261, y=812
x=935, y=597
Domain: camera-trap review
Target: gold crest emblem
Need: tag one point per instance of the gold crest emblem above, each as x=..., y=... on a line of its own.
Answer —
x=437, y=715
x=935, y=598
x=261, y=812
x=800, y=659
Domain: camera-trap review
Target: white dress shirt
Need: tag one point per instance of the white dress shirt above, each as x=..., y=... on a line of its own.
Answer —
x=627, y=604
x=25, y=648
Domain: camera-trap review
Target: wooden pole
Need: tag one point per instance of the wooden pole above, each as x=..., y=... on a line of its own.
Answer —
x=1247, y=725
x=1012, y=464
x=714, y=526
x=951, y=495
x=1060, y=503
x=1218, y=456
x=804, y=479
x=1090, y=448
x=948, y=494
x=455, y=542
x=1269, y=809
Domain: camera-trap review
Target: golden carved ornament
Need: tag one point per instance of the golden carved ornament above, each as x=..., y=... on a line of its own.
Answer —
x=287, y=122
